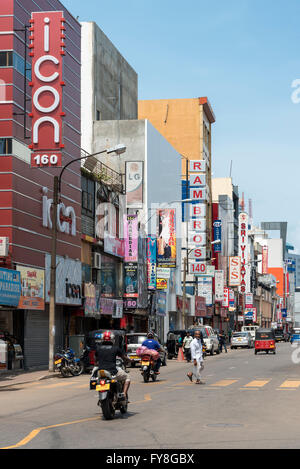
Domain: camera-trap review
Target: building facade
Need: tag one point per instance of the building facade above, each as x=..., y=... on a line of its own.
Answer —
x=26, y=191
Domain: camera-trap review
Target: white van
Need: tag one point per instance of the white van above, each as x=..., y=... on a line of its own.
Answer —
x=251, y=329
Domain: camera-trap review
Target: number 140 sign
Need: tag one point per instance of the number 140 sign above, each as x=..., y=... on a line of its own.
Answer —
x=197, y=268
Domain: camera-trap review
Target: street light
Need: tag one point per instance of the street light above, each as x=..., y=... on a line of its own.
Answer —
x=56, y=191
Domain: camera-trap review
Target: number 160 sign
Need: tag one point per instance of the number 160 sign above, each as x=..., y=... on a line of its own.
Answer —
x=46, y=159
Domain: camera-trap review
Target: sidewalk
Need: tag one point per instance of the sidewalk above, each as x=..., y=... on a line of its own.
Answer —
x=17, y=377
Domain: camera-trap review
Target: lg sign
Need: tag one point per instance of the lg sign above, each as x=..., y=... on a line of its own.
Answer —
x=47, y=51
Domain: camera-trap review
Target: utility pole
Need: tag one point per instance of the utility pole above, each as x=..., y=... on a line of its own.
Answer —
x=53, y=276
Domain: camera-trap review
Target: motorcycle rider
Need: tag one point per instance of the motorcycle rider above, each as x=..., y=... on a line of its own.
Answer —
x=106, y=355
x=152, y=344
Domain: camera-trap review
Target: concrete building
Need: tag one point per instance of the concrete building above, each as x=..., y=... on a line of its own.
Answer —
x=109, y=85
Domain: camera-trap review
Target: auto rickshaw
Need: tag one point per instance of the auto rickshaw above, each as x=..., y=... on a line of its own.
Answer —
x=90, y=341
x=265, y=341
x=172, y=342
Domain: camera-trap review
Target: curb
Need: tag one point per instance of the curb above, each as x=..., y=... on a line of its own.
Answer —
x=26, y=381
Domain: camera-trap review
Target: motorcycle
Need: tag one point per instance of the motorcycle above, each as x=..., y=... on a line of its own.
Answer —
x=110, y=392
x=66, y=362
x=148, y=367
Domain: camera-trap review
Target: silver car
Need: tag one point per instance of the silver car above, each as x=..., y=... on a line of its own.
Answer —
x=241, y=339
x=134, y=341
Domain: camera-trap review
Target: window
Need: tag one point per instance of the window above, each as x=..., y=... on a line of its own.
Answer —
x=6, y=58
x=88, y=196
x=5, y=146
x=98, y=115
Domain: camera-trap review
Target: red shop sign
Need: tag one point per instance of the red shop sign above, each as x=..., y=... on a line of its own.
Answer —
x=47, y=51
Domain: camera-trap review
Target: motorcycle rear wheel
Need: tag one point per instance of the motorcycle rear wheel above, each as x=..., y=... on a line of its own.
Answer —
x=146, y=377
x=107, y=409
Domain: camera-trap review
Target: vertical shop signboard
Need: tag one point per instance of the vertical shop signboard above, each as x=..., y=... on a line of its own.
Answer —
x=131, y=238
x=166, y=238
x=151, y=262
x=47, y=49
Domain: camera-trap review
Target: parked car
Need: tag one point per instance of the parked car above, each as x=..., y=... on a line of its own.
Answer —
x=281, y=335
x=210, y=339
x=241, y=339
x=135, y=340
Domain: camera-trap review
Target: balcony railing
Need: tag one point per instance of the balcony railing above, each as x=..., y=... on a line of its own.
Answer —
x=102, y=172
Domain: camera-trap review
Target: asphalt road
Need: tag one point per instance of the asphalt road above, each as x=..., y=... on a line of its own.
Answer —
x=247, y=401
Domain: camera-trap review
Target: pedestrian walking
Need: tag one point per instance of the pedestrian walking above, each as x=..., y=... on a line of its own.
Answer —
x=197, y=358
x=187, y=346
x=222, y=342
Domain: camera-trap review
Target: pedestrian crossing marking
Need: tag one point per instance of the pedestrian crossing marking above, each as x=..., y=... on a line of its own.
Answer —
x=257, y=383
x=224, y=382
x=290, y=384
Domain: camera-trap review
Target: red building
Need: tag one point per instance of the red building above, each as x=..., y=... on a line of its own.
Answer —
x=25, y=191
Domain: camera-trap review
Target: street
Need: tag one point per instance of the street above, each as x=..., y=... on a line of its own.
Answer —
x=247, y=401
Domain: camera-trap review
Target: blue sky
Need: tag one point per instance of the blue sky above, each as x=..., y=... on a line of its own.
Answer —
x=244, y=56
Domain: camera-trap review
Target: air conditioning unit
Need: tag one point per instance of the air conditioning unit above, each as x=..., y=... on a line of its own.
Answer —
x=96, y=260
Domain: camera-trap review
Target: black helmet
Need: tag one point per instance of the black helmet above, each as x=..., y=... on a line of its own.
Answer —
x=150, y=335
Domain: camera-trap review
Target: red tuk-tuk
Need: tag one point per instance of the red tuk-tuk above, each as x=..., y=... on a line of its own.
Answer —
x=265, y=341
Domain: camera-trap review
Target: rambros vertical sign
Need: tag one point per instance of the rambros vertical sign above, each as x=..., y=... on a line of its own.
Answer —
x=47, y=51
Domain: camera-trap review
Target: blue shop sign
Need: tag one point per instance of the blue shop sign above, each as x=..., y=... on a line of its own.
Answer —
x=217, y=235
x=10, y=287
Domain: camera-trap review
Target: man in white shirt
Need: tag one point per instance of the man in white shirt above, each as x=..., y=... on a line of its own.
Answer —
x=197, y=358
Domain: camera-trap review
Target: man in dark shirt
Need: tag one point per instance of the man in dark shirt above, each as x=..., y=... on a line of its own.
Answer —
x=106, y=356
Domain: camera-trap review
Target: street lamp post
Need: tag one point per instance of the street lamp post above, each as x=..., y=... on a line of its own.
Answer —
x=56, y=191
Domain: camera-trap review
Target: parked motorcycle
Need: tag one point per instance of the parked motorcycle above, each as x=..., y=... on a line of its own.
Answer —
x=66, y=362
x=148, y=367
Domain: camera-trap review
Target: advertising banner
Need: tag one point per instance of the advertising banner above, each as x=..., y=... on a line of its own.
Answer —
x=90, y=302
x=151, y=262
x=118, y=309
x=234, y=271
x=161, y=303
x=47, y=52
x=161, y=283
x=163, y=272
x=231, y=299
x=205, y=289
x=134, y=184
x=219, y=285
x=249, y=300
x=166, y=238
x=131, y=238
x=265, y=260
x=225, y=302
x=32, y=293
x=200, y=306
x=130, y=280
x=10, y=287
x=217, y=224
